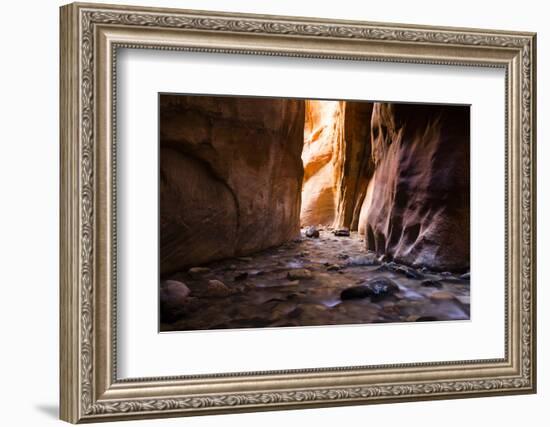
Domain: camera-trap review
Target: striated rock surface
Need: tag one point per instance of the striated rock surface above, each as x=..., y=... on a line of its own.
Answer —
x=230, y=176
x=337, y=162
x=357, y=167
x=322, y=157
x=416, y=210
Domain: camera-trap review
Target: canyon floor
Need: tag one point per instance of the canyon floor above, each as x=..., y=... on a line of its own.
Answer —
x=304, y=283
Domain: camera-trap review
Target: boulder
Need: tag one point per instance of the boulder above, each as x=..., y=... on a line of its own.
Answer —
x=375, y=289
x=312, y=232
x=172, y=297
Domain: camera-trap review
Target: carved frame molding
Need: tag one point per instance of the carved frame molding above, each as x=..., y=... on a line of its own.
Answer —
x=90, y=37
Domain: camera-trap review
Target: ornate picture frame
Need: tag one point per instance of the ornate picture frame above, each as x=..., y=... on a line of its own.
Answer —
x=90, y=37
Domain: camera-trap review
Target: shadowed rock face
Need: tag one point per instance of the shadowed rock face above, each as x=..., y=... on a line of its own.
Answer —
x=230, y=176
x=337, y=162
x=416, y=210
x=357, y=167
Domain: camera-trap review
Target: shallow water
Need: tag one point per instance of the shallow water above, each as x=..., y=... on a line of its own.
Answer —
x=266, y=297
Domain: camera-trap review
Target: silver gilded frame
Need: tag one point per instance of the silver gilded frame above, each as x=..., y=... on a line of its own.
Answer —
x=90, y=37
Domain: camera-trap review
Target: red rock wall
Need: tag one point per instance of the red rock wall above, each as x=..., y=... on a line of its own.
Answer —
x=416, y=210
x=230, y=176
x=357, y=166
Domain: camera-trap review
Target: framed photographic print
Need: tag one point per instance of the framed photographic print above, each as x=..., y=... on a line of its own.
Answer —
x=266, y=212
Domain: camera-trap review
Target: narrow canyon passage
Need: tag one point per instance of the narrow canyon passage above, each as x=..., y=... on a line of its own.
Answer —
x=280, y=212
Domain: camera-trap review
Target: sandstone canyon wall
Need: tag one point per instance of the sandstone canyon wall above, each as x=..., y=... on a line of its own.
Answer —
x=337, y=162
x=230, y=176
x=322, y=158
x=416, y=210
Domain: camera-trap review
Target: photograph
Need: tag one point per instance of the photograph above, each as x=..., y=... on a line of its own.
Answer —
x=346, y=208
x=286, y=212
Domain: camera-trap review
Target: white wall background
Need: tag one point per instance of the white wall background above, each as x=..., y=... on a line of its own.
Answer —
x=29, y=171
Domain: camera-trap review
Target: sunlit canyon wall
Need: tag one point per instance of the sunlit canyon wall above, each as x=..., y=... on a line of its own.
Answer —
x=337, y=162
x=230, y=176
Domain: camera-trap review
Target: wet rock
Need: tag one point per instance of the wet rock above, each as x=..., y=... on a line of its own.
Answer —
x=196, y=272
x=312, y=232
x=173, y=293
x=431, y=283
x=409, y=272
x=341, y=231
x=442, y=296
x=241, y=276
x=366, y=260
x=173, y=296
x=333, y=267
x=376, y=290
x=465, y=276
x=391, y=265
x=299, y=274
x=217, y=288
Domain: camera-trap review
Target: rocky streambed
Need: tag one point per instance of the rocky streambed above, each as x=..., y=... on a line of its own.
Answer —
x=326, y=279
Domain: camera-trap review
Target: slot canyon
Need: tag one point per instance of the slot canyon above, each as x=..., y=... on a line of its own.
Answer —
x=289, y=212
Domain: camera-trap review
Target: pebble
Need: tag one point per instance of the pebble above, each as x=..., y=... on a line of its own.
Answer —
x=409, y=272
x=217, y=288
x=431, y=283
x=299, y=273
x=365, y=260
x=442, y=296
x=198, y=271
x=312, y=232
x=341, y=232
